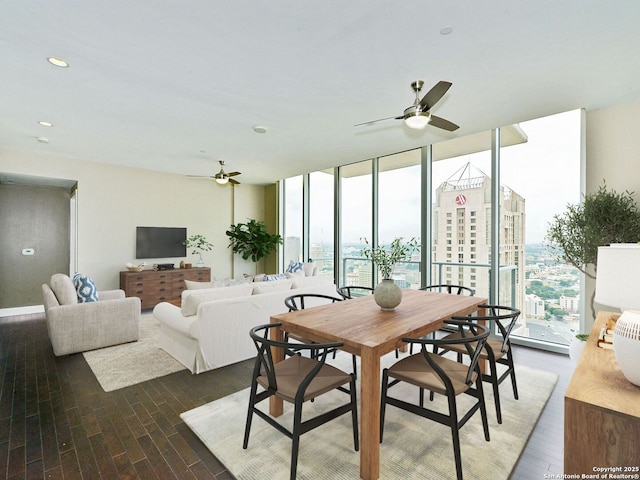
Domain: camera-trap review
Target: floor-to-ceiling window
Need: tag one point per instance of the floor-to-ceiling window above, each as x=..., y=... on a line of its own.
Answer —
x=321, y=221
x=356, y=223
x=399, y=209
x=293, y=218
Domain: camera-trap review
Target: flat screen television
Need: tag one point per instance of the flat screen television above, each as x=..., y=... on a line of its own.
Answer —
x=160, y=242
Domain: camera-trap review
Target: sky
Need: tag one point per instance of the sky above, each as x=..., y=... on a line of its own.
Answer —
x=545, y=171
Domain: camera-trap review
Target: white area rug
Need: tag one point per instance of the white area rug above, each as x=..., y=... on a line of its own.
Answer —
x=131, y=363
x=413, y=447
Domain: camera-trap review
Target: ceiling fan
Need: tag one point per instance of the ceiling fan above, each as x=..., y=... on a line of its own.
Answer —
x=419, y=115
x=222, y=177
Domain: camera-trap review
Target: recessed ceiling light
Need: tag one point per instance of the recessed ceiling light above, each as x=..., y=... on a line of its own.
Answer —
x=446, y=30
x=58, y=62
x=43, y=139
x=45, y=124
x=259, y=129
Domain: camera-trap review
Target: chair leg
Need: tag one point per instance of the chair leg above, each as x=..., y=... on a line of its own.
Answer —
x=354, y=411
x=355, y=366
x=513, y=376
x=247, y=428
x=455, y=436
x=383, y=399
x=295, y=439
x=483, y=408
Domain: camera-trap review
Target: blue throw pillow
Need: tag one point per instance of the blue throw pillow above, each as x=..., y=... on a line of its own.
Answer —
x=294, y=267
x=275, y=276
x=85, y=288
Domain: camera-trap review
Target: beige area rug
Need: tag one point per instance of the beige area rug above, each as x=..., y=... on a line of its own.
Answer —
x=131, y=363
x=413, y=447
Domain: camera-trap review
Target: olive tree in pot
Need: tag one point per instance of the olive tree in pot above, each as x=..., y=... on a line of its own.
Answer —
x=602, y=218
x=252, y=240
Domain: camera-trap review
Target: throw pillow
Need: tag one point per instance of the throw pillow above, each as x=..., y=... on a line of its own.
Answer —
x=63, y=289
x=191, y=285
x=294, y=267
x=85, y=288
x=275, y=276
x=310, y=269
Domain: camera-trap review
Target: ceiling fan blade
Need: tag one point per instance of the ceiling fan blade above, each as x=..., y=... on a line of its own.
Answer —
x=378, y=120
x=234, y=182
x=233, y=174
x=433, y=95
x=442, y=123
x=199, y=176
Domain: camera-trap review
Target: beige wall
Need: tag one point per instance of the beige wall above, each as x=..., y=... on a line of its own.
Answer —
x=113, y=200
x=613, y=155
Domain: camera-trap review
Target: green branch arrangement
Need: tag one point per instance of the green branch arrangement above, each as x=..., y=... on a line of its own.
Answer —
x=386, y=258
x=198, y=244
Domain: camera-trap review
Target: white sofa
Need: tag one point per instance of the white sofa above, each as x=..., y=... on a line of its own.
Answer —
x=211, y=329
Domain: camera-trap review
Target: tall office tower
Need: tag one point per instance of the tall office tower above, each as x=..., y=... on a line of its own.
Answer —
x=462, y=235
x=316, y=254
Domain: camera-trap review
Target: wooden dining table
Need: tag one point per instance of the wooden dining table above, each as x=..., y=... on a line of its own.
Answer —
x=370, y=332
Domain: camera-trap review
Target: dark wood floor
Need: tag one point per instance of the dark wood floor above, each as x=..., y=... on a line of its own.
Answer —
x=56, y=422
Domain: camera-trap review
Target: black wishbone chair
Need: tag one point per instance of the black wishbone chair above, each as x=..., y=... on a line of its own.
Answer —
x=351, y=291
x=299, y=301
x=430, y=371
x=296, y=380
x=497, y=351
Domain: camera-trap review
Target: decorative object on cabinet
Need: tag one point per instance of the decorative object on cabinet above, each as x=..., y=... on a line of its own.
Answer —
x=198, y=244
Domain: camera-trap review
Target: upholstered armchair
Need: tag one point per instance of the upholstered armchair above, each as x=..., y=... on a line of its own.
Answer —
x=78, y=327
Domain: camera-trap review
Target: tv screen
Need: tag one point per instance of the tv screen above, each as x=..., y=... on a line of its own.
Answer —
x=160, y=242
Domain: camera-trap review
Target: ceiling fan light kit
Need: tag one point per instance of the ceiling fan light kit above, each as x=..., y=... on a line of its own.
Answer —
x=418, y=115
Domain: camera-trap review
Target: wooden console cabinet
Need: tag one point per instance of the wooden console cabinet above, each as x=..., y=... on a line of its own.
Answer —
x=601, y=414
x=155, y=286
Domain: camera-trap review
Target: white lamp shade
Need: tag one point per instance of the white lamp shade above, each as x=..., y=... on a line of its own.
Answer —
x=618, y=285
x=618, y=277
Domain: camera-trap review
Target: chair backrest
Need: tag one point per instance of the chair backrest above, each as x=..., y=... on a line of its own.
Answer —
x=472, y=335
x=300, y=301
x=353, y=291
x=264, y=361
x=505, y=318
x=453, y=289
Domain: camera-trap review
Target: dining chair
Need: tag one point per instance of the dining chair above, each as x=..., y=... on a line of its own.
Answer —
x=429, y=371
x=296, y=380
x=497, y=350
x=301, y=300
x=353, y=291
x=450, y=289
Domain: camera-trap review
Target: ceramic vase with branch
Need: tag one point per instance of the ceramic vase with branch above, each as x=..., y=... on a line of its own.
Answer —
x=198, y=244
x=387, y=294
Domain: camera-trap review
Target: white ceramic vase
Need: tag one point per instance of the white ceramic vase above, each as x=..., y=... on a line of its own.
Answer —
x=387, y=294
x=575, y=349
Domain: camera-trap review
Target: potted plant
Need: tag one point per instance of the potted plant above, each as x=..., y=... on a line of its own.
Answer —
x=252, y=240
x=198, y=244
x=387, y=294
x=578, y=343
x=604, y=217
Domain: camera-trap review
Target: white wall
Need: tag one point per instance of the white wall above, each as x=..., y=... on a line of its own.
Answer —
x=612, y=155
x=113, y=200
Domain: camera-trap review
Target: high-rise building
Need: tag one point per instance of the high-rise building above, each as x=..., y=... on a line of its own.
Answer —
x=462, y=235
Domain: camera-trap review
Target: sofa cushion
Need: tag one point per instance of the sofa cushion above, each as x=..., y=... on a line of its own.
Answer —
x=63, y=289
x=299, y=273
x=304, y=282
x=270, y=287
x=192, y=298
x=85, y=288
x=191, y=285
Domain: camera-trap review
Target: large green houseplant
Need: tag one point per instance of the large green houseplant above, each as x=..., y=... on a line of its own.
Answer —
x=252, y=241
x=602, y=218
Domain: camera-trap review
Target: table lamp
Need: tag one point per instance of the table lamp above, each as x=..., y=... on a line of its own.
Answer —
x=618, y=285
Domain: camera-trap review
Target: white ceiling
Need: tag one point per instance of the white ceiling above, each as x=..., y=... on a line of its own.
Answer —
x=175, y=86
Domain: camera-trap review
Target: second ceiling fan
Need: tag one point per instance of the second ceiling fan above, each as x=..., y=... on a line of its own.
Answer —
x=419, y=114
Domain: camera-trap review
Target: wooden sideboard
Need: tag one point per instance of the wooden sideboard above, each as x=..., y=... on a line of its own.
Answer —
x=601, y=414
x=155, y=286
